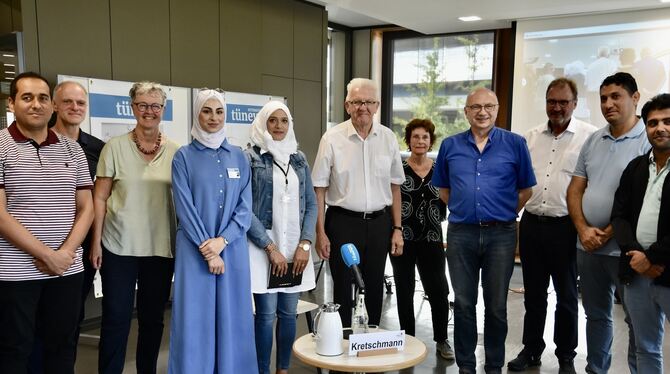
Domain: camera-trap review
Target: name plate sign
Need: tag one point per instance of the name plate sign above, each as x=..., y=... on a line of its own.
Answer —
x=384, y=342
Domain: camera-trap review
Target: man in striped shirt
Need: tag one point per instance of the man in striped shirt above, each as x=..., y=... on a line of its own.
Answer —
x=46, y=210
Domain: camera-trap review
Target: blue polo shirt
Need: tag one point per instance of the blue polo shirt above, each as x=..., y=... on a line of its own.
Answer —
x=601, y=161
x=483, y=186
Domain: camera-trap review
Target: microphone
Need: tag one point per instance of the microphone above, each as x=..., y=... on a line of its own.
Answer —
x=352, y=259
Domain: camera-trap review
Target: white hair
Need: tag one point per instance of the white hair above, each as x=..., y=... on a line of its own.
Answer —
x=147, y=88
x=361, y=83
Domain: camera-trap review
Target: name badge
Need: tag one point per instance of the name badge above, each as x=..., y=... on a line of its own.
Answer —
x=234, y=173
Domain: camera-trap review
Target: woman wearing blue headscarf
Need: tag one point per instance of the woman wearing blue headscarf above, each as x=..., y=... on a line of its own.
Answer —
x=212, y=328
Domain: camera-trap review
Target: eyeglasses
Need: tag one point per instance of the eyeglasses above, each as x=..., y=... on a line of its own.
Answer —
x=143, y=107
x=561, y=103
x=486, y=107
x=358, y=103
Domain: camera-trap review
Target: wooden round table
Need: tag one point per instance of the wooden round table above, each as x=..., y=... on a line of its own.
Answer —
x=415, y=351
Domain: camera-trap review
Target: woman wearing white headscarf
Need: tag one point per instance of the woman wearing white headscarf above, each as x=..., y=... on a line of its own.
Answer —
x=282, y=229
x=212, y=316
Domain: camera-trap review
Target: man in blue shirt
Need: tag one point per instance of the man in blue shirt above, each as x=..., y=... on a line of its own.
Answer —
x=603, y=157
x=485, y=176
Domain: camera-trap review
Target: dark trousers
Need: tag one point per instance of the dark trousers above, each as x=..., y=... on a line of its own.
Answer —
x=36, y=365
x=153, y=276
x=50, y=306
x=547, y=248
x=429, y=258
x=372, y=238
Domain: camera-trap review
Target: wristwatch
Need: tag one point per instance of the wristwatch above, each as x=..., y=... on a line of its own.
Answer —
x=397, y=228
x=305, y=246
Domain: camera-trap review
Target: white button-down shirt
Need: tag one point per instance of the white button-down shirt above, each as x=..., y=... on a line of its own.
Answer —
x=358, y=172
x=554, y=159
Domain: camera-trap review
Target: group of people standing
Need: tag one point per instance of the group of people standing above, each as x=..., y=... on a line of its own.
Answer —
x=217, y=218
x=224, y=220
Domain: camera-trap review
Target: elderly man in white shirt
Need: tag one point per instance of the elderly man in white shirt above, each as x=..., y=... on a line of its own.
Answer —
x=358, y=173
x=547, y=236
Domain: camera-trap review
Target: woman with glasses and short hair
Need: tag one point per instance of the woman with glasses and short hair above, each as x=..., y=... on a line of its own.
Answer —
x=282, y=230
x=133, y=233
x=212, y=328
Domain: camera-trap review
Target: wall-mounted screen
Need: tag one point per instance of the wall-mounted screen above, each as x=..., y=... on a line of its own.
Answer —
x=587, y=49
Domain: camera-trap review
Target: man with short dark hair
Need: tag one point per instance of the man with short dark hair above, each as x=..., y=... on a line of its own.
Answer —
x=641, y=221
x=46, y=210
x=590, y=194
x=546, y=233
x=485, y=177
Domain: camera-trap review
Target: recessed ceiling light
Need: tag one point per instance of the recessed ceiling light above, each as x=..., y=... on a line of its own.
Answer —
x=7, y=55
x=473, y=18
x=11, y=65
x=10, y=72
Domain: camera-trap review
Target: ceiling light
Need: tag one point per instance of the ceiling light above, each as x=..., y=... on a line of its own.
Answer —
x=473, y=18
x=7, y=55
x=10, y=65
x=10, y=72
x=665, y=1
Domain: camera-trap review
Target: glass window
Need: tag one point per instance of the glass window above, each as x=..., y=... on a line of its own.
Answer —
x=431, y=77
x=336, y=76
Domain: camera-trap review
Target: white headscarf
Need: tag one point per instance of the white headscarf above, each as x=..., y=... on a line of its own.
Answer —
x=280, y=150
x=209, y=140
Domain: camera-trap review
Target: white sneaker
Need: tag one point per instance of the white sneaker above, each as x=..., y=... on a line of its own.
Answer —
x=444, y=350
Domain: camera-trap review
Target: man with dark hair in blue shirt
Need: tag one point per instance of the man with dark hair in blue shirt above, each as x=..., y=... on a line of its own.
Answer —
x=485, y=176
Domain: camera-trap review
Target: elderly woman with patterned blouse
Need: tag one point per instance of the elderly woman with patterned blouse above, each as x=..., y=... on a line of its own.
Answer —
x=422, y=216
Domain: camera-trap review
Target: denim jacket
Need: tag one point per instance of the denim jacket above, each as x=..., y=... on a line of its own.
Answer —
x=261, y=185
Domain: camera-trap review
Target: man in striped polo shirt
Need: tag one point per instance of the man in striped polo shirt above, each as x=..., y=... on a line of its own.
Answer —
x=46, y=210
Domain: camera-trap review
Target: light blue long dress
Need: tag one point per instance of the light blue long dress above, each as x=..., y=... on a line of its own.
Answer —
x=212, y=328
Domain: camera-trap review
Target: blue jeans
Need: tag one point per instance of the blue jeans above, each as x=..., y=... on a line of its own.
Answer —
x=648, y=304
x=472, y=248
x=284, y=306
x=599, y=278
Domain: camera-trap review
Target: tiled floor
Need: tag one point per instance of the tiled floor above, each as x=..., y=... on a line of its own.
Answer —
x=87, y=355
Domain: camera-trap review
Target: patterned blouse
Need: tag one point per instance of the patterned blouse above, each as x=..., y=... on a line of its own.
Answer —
x=422, y=209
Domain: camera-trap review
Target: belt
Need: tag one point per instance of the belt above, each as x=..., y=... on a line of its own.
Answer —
x=547, y=219
x=494, y=223
x=362, y=215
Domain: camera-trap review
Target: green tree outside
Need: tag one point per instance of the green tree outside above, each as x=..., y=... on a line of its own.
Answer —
x=431, y=102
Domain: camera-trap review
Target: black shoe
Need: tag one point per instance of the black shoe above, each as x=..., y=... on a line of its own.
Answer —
x=566, y=366
x=523, y=361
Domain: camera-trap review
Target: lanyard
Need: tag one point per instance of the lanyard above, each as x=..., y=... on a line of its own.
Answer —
x=285, y=172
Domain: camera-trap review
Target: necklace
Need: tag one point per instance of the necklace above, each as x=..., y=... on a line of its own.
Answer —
x=147, y=151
